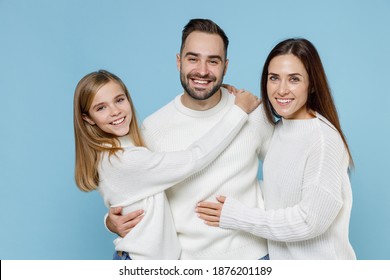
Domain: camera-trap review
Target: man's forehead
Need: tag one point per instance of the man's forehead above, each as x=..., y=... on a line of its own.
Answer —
x=201, y=43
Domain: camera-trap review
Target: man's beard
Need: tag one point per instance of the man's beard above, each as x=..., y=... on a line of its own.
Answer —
x=204, y=95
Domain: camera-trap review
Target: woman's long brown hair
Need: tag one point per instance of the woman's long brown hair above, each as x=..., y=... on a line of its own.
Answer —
x=320, y=98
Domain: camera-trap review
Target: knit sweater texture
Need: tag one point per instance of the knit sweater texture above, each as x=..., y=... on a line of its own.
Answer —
x=233, y=173
x=307, y=194
x=136, y=178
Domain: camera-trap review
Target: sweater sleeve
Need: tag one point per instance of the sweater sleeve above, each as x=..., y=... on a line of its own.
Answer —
x=266, y=131
x=321, y=200
x=142, y=173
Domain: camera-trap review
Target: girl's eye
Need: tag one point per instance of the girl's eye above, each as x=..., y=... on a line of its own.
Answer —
x=120, y=100
x=99, y=108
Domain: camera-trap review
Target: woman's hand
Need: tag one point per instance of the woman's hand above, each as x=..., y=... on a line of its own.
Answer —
x=210, y=212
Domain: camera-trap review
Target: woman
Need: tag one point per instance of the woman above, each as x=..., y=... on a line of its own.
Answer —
x=306, y=189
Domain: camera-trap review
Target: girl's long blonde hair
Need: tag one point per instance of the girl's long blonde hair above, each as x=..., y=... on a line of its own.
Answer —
x=90, y=140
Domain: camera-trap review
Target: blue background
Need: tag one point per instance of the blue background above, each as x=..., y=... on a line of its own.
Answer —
x=46, y=46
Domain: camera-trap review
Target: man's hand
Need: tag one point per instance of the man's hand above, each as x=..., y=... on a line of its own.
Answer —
x=122, y=225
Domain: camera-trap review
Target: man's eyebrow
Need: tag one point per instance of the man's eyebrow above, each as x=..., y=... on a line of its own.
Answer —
x=191, y=53
x=209, y=56
x=216, y=56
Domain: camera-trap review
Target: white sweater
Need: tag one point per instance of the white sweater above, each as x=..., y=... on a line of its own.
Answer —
x=233, y=173
x=136, y=179
x=307, y=194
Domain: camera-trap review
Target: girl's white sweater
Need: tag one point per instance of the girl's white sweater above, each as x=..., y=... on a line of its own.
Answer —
x=136, y=178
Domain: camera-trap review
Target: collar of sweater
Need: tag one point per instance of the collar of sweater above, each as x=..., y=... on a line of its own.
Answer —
x=126, y=141
x=202, y=114
x=304, y=125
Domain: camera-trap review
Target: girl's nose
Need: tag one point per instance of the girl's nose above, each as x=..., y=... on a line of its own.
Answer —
x=114, y=111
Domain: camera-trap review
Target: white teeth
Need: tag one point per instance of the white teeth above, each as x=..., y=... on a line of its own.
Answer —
x=200, y=82
x=118, y=121
x=285, y=101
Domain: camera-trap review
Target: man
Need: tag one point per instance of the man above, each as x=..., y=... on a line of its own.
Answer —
x=202, y=63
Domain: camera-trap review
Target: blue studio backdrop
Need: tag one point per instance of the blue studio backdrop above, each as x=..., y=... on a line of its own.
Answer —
x=46, y=46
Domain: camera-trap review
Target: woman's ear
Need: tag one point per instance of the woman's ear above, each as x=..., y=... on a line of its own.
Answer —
x=88, y=119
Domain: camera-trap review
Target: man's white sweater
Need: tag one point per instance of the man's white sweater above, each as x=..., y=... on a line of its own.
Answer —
x=307, y=194
x=136, y=178
x=233, y=173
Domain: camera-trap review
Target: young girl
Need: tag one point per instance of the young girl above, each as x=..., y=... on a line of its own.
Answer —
x=306, y=189
x=111, y=157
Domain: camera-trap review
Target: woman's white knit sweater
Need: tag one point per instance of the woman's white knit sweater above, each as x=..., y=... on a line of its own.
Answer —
x=136, y=178
x=307, y=194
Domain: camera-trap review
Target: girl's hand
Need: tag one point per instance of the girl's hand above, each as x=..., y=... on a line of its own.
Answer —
x=231, y=89
x=247, y=101
x=210, y=212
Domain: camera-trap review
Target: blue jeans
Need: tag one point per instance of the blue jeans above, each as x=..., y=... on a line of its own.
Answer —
x=266, y=257
x=125, y=256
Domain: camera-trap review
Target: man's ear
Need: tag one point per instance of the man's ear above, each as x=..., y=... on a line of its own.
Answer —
x=88, y=119
x=178, y=61
x=226, y=66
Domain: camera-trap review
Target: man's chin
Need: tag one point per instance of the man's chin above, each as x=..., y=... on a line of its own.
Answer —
x=202, y=94
x=200, y=97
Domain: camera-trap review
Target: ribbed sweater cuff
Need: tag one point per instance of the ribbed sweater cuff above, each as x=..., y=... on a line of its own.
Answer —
x=105, y=223
x=238, y=112
x=230, y=209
